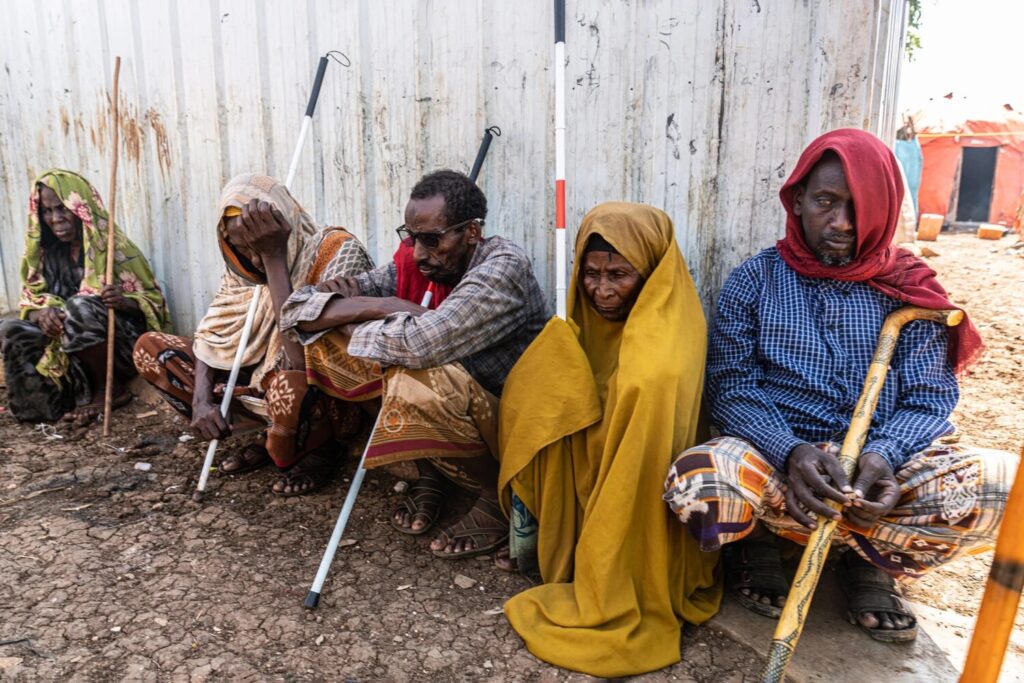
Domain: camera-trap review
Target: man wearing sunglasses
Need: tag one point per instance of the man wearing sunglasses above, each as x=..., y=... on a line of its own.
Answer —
x=437, y=370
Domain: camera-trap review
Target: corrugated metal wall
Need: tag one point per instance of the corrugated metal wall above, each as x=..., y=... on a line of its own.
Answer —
x=698, y=107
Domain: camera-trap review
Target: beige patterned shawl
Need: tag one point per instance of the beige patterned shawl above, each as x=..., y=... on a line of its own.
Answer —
x=220, y=330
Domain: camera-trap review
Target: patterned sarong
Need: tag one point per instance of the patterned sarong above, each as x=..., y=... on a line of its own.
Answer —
x=299, y=420
x=952, y=499
x=434, y=413
x=33, y=396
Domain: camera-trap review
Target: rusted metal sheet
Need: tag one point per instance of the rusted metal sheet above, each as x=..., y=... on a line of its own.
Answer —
x=699, y=108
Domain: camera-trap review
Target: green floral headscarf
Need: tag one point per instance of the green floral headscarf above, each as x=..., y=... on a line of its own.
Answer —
x=131, y=269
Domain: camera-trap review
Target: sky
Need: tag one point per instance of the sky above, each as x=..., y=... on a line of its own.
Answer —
x=974, y=48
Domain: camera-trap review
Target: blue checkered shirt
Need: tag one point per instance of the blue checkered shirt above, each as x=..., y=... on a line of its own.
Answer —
x=789, y=354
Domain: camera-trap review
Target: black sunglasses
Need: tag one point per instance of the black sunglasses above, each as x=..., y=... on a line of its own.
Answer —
x=431, y=239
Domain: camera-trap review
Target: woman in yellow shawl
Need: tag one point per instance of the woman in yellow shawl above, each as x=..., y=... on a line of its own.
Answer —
x=591, y=414
x=266, y=238
x=55, y=355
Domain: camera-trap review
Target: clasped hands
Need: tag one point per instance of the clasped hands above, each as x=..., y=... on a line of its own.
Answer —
x=51, y=319
x=815, y=476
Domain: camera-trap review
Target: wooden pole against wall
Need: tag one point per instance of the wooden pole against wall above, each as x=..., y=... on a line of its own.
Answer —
x=111, y=203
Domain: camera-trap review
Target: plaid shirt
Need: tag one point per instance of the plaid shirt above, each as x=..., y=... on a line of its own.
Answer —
x=789, y=354
x=485, y=324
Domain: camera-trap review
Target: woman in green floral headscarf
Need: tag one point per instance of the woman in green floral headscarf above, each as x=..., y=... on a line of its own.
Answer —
x=55, y=355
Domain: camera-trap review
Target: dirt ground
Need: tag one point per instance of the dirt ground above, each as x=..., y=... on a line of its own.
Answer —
x=987, y=279
x=109, y=572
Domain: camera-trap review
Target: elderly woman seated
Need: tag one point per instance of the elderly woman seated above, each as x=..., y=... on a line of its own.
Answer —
x=593, y=411
x=266, y=238
x=55, y=355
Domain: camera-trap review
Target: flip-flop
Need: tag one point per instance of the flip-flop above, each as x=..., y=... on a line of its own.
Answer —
x=869, y=589
x=249, y=464
x=424, y=493
x=461, y=530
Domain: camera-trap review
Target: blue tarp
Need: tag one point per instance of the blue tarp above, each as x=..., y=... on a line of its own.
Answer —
x=908, y=152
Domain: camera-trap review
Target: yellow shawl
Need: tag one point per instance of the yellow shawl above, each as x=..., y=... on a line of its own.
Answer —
x=220, y=330
x=591, y=417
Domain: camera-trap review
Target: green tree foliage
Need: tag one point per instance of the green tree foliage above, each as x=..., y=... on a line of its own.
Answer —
x=913, y=43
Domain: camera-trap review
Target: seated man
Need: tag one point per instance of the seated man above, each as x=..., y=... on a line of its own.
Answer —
x=438, y=370
x=794, y=334
x=266, y=238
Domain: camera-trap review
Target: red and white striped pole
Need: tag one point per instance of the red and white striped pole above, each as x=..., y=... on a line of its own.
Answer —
x=560, y=264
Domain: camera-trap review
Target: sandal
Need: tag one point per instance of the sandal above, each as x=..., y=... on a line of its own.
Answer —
x=423, y=502
x=462, y=530
x=252, y=457
x=313, y=471
x=756, y=566
x=869, y=589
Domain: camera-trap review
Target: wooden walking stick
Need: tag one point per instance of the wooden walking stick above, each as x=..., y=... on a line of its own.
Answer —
x=798, y=602
x=1002, y=593
x=115, y=126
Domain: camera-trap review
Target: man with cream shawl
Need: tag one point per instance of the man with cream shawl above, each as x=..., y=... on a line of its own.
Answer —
x=266, y=239
x=593, y=411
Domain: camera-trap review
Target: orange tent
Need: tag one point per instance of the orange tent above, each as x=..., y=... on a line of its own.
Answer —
x=973, y=164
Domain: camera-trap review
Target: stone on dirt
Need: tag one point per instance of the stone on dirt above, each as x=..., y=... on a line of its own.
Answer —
x=463, y=581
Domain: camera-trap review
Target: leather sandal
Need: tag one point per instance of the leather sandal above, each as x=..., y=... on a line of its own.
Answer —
x=314, y=470
x=478, y=534
x=757, y=567
x=423, y=502
x=869, y=589
x=252, y=457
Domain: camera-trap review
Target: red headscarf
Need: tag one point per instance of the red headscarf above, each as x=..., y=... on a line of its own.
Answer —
x=875, y=182
x=412, y=284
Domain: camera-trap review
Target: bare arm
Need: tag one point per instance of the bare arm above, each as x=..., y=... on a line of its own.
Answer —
x=280, y=286
x=266, y=232
x=206, y=417
x=359, y=309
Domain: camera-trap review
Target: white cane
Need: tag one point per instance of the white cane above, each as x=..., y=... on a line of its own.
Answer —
x=313, y=597
x=250, y=314
x=225, y=403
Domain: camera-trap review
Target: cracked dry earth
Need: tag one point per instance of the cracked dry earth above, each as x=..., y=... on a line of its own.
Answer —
x=111, y=573
x=108, y=572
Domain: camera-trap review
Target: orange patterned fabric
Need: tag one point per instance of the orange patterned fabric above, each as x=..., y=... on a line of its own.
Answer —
x=434, y=413
x=330, y=245
x=952, y=499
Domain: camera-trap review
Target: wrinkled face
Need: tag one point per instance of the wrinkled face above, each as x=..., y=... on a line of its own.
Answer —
x=611, y=284
x=448, y=261
x=64, y=224
x=825, y=207
x=236, y=239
